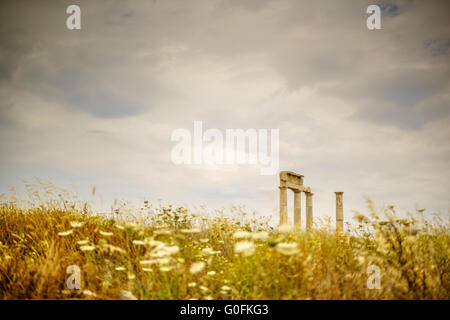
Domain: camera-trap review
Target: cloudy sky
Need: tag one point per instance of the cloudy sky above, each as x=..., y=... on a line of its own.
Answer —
x=365, y=112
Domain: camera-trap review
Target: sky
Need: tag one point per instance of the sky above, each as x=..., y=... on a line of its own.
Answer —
x=361, y=111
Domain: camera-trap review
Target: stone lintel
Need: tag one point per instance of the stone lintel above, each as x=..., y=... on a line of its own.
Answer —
x=284, y=174
x=291, y=180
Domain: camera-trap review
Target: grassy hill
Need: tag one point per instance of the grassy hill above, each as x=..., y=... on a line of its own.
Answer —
x=169, y=253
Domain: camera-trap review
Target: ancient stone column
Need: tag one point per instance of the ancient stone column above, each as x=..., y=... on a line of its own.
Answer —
x=339, y=212
x=309, y=210
x=297, y=208
x=283, y=206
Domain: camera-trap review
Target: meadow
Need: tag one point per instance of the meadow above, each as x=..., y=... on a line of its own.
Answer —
x=167, y=252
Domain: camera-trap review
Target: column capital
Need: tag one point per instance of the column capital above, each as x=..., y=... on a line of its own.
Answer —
x=339, y=192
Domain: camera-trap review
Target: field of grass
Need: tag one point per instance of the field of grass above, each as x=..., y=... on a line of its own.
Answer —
x=165, y=252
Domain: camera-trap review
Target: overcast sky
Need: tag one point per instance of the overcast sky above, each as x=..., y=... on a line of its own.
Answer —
x=365, y=112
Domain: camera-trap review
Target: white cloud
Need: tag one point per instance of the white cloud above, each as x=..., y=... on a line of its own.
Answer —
x=360, y=111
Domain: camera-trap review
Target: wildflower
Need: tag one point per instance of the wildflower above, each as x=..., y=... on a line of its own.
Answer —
x=119, y=268
x=261, y=236
x=139, y=242
x=180, y=260
x=89, y=293
x=204, y=289
x=165, y=251
x=126, y=295
x=210, y=251
x=197, y=267
x=65, y=233
x=211, y=273
x=246, y=248
x=242, y=235
x=132, y=226
x=114, y=249
x=225, y=288
x=192, y=284
x=87, y=248
x=165, y=269
x=286, y=228
x=193, y=230
x=170, y=250
x=120, y=227
x=147, y=269
x=131, y=276
x=163, y=261
x=106, y=234
x=208, y=297
x=205, y=240
x=147, y=261
x=161, y=231
x=155, y=243
x=76, y=224
x=83, y=242
x=287, y=249
x=158, y=254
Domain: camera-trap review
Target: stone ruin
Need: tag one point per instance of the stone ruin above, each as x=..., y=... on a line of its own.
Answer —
x=293, y=181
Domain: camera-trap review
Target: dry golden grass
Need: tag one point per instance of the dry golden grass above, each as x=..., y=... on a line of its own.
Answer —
x=169, y=253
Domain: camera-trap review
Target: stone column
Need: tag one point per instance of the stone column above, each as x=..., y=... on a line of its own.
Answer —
x=283, y=206
x=339, y=212
x=309, y=210
x=297, y=208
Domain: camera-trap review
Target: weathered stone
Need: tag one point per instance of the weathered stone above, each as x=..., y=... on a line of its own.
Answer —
x=293, y=181
x=297, y=208
x=309, y=210
x=283, y=206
